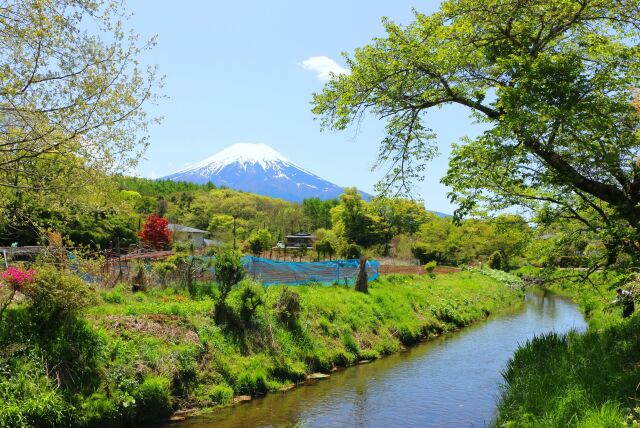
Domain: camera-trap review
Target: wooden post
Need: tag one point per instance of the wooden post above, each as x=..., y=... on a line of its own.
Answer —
x=362, y=281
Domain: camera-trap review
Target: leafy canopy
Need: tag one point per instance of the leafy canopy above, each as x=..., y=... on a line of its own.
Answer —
x=554, y=82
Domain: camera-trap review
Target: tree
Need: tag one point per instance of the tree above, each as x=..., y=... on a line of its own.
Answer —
x=155, y=232
x=70, y=92
x=552, y=80
x=71, y=109
x=259, y=241
x=325, y=247
x=319, y=212
x=356, y=221
x=229, y=272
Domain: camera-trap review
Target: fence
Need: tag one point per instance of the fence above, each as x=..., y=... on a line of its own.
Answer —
x=277, y=272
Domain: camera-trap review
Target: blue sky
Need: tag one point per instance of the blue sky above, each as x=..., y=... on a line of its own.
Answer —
x=235, y=73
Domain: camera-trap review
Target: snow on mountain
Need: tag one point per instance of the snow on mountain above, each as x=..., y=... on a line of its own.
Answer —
x=257, y=168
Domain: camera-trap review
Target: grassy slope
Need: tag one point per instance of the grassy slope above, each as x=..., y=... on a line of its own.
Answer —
x=157, y=351
x=337, y=327
x=585, y=380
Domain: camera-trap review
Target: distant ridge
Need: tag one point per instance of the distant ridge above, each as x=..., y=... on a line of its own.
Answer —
x=258, y=168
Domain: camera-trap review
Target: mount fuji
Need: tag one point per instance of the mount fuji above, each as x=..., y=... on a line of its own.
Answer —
x=257, y=168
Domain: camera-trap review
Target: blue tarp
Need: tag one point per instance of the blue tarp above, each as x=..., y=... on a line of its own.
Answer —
x=277, y=272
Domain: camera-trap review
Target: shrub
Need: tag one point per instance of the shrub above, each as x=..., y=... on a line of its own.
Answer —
x=496, y=261
x=153, y=399
x=430, y=266
x=56, y=294
x=221, y=394
x=288, y=307
x=12, y=280
x=164, y=270
x=229, y=271
x=251, y=297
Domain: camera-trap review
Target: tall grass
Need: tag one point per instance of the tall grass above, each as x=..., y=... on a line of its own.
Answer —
x=573, y=380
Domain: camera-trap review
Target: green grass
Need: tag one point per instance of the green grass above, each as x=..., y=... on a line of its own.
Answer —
x=160, y=350
x=587, y=380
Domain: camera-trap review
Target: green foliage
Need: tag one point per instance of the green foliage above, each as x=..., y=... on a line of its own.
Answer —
x=56, y=294
x=423, y=253
x=54, y=178
x=495, y=261
x=229, y=272
x=505, y=278
x=222, y=394
x=28, y=397
x=447, y=243
x=357, y=222
x=430, y=266
x=554, y=380
x=319, y=212
x=535, y=67
x=325, y=247
x=153, y=399
x=259, y=241
x=351, y=251
x=288, y=307
x=251, y=298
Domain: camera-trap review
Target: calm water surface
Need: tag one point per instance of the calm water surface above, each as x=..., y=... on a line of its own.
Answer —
x=452, y=381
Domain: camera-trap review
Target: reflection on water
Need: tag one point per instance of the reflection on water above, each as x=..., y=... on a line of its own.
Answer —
x=452, y=381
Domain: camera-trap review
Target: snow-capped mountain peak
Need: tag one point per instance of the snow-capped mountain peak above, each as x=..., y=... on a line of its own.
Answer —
x=241, y=153
x=257, y=168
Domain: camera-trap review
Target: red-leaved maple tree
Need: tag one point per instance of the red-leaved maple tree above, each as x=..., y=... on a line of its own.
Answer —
x=155, y=232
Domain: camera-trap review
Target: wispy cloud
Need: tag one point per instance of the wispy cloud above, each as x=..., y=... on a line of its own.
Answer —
x=324, y=67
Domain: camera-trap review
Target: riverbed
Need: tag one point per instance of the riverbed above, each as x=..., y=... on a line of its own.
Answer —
x=450, y=381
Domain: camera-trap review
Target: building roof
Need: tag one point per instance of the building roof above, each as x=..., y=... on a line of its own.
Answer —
x=301, y=235
x=181, y=228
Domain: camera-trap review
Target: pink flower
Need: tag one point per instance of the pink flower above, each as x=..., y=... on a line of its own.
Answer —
x=18, y=277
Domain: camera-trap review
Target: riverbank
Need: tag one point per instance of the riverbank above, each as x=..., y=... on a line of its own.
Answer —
x=587, y=380
x=141, y=356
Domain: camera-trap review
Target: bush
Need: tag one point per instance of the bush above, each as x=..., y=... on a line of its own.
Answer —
x=229, y=271
x=221, y=394
x=163, y=270
x=430, y=266
x=57, y=294
x=153, y=399
x=288, y=307
x=496, y=261
x=251, y=297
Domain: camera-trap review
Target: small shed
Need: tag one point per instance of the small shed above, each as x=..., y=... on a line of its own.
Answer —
x=183, y=233
x=300, y=240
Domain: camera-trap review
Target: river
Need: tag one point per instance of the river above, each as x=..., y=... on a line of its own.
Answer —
x=452, y=381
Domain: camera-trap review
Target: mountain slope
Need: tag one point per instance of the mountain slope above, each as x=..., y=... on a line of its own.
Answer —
x=257, y=168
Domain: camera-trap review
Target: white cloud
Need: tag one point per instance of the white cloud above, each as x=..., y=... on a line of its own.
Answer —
x=324, y=67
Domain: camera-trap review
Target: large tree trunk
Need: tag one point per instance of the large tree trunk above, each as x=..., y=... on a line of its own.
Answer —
x=362, y=283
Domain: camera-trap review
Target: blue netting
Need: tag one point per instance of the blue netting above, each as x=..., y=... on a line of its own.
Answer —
x=277, y=272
